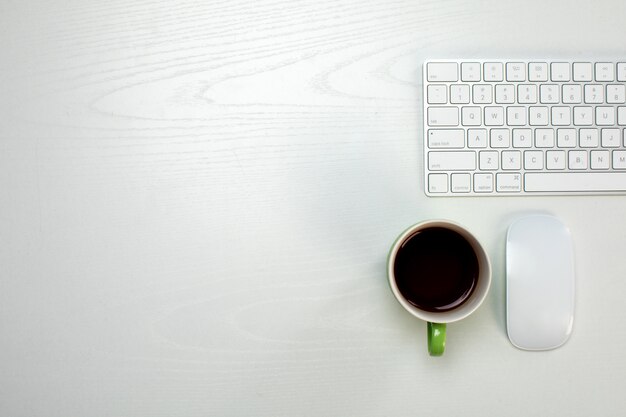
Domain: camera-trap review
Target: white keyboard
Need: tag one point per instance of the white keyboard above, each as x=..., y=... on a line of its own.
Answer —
x=497, y=128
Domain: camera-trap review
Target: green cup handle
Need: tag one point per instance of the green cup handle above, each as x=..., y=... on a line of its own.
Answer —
x=436, y=338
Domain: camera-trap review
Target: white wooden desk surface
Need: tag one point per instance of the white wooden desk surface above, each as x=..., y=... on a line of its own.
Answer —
x=198, y=199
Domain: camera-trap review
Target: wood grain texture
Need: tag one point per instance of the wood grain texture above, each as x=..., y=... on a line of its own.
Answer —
x=198, y=198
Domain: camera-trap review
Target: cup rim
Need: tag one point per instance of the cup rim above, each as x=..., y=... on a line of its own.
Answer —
x=471, y=304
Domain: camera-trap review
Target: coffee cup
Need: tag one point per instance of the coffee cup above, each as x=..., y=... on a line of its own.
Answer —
x=440, y=273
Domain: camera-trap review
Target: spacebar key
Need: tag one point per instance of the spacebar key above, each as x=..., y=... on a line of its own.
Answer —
x=575, y=181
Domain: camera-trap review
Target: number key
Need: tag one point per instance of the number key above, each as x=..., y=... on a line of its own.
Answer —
x=549, y=93
x=459, y=94
x=572, y=93
x=482, y=94
x=505, y=93
x=615, y=93
x=594, y=93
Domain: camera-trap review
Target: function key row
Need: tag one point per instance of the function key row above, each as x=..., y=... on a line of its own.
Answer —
x=520, y=71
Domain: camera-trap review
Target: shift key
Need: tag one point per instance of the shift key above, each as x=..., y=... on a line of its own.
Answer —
x=452, y=161
x=443, y=116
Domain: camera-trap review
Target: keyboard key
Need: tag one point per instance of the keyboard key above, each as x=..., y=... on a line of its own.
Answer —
x=488, y=160
x=566, y=138
x=481, y=94
x=500, y=138
x=561, y=116
x=511, y=160
x=605, y=71
x=575, y=181
x=508, y=183
x=621, y=116
x=560, y=71
x=549, y=93
x=522, y=138
x=605, y=116
x=505, y=93
x=610, y=138
x=583, y=116
x=476, y=138
x=621, y=71
x=494, y=116
x=577, y=159
x=452, y=161
x=527, y=93
x=471, y=116
x=516, y=116
x=572, y=93
x=443, y=116
x=583, y=71
x=594, y=94
x=515, y=71
x=493, y=71
x=588, y=138
x=437, y=94
x=616, y=93
x=438, y=183
x=544, y=138
x=600, y=159
x=470, y=71
x=460, y=183
x=483, y=183
x=538, y=116
x=533, y=160
x=538, y=71
x=619, y=159
x=442, y=71
x=446, y=138
x=555, y=160
x=459, y=94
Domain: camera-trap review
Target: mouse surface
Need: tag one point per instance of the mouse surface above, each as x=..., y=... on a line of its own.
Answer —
x=539, y=283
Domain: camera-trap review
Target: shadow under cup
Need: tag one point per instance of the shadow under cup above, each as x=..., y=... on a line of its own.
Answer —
x=439, y=272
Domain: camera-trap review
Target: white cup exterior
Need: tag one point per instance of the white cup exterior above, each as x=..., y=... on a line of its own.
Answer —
x=476, y=298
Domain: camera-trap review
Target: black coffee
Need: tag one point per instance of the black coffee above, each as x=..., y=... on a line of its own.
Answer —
x=436, y=269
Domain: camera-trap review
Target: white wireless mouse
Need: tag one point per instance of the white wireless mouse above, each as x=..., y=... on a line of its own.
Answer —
x=539, y=283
